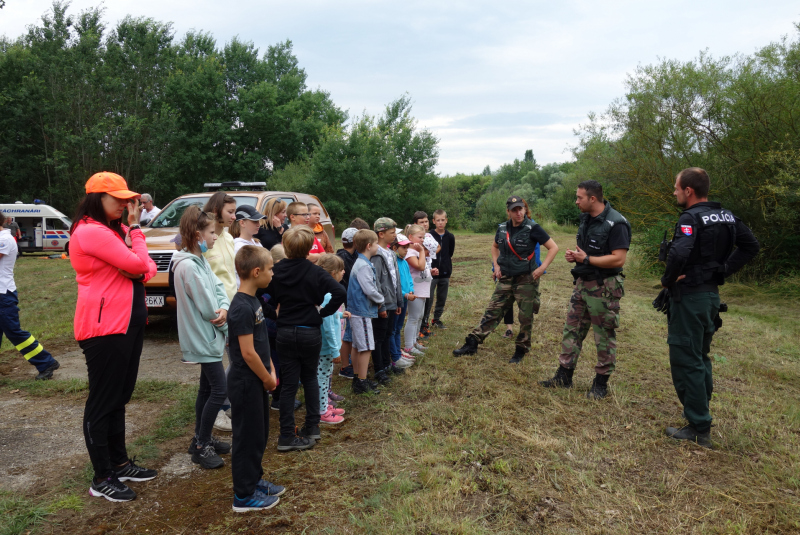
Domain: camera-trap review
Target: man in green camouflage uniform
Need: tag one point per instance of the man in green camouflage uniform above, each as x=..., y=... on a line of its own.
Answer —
x=603, y=239
x=517, y=275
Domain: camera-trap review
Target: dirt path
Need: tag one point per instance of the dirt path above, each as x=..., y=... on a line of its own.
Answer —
x=38, y=434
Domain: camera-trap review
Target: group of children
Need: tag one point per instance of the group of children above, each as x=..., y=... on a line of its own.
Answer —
x=288, y=315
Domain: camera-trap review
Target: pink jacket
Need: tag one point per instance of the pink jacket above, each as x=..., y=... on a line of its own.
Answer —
x=105, y=296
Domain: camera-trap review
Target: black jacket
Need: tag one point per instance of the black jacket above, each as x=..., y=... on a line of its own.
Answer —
x=299, y=287
x=709, y=245
x=444, y=258
x=270, y=237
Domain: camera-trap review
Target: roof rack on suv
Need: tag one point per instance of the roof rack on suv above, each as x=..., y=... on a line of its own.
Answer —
x=235, y=185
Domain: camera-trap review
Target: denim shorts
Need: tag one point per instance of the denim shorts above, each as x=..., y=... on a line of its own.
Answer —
x=348, y=331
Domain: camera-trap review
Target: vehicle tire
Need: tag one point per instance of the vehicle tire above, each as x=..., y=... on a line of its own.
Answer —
x=66, y=248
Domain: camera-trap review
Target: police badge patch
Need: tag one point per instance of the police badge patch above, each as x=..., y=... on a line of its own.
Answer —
x=686, y=229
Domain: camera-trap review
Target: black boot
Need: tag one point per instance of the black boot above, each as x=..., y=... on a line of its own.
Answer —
x=691, y=434
x=469, y=348
x=360, y=386
x=519, y=353
x=383, y=378
x=599, y=388
x=562, y=379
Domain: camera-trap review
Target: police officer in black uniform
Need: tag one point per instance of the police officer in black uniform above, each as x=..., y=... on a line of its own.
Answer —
x=709, y=244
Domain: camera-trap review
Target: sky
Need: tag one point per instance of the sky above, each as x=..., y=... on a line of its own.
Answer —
x=489, y=79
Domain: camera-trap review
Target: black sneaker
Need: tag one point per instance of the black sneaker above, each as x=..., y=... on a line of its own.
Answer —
x=383, y=378
x=347, y=372
x=438, y=324
x=295, y=443
x=310, y=432
x=112, y=490
x=47, y=373
x=131, y=472
x=219, y=446
x=207, y=457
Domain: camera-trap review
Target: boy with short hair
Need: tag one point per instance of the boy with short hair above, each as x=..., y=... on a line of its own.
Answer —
x=388, y=279
x=299, y=287
x=444, y=263
x=252, y=375
x=363, y=300
x=432, y=245
x=299, y=214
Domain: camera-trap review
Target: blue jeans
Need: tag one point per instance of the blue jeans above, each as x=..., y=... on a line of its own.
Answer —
x=24, y=341
x=395, y=342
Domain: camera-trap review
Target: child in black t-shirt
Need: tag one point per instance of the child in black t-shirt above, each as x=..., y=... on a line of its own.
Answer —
x=251, y=377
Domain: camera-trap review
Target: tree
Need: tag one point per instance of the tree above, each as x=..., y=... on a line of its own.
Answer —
x=377, y=166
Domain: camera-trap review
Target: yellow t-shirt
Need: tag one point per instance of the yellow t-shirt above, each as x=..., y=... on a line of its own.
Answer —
x=221, y=259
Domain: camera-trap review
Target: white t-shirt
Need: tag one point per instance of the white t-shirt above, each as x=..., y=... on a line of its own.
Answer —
x=238, y=243
x=8, y=248
x=146, y=216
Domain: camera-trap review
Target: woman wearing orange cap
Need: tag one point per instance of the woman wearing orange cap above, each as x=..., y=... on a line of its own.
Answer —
x=109, y=324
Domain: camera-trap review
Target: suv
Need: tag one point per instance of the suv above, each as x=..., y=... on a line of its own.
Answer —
x=164, y=227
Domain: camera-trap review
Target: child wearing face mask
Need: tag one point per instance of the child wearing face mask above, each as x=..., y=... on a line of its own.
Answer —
x=202, y=315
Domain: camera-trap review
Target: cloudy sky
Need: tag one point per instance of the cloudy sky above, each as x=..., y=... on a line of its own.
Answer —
x=490, y=79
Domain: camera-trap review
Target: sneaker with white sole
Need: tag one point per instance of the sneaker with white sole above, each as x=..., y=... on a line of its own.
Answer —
x=132, y=472
x=420, y=347
x=337, y=412
x=257, y=502
x=223, y=423
x=329, y=418
x=403, y=362
x=270, y=489
x=413, y=351
x=112, y=489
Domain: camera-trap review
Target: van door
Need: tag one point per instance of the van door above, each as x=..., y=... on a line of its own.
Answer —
x=56, y=234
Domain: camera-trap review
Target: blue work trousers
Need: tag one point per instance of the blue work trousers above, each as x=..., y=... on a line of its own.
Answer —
x=24, y=341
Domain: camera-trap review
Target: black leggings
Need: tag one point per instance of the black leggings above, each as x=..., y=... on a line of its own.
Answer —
x=210, y=396
x=113, y=364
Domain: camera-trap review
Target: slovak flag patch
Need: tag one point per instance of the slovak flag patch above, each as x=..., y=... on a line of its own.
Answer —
x=686, y=229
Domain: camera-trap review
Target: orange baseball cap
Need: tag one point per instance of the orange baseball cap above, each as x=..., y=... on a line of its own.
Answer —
x=111, y=183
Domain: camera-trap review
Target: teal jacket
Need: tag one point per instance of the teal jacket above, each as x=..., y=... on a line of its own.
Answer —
x=406, y=281
x=331, y=331
x=199, y=293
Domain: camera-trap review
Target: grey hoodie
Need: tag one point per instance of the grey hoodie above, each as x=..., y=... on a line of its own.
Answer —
x=199, y=293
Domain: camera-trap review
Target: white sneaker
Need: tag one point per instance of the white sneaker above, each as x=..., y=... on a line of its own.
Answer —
x=420, y=347
x=414, y=351
x=223, y=423
x=403, y=362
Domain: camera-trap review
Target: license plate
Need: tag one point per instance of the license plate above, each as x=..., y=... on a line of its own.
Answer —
x=155, y=301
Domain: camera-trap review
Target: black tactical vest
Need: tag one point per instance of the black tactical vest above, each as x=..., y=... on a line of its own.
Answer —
x=716, y=236
x=593, y=239
x=524, y=261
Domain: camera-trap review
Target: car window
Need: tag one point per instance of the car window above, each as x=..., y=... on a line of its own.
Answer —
x=170, y=216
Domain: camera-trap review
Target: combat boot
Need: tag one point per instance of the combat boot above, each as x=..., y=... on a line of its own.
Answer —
x=599, y=388
x=469, y=348
x=562, y=379
x=519, y=353
x=691, y=434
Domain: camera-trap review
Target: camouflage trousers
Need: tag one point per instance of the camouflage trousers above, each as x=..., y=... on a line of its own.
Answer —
x=595, y=306
x=522, y=289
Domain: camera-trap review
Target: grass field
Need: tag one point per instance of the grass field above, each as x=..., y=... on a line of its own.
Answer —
x=473, y=445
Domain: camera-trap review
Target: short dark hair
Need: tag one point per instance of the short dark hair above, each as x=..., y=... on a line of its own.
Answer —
x=419, y=215
x=697, y=179
x=593, y=188
x=250, y=257
x=2, y=219
x=360, y=224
